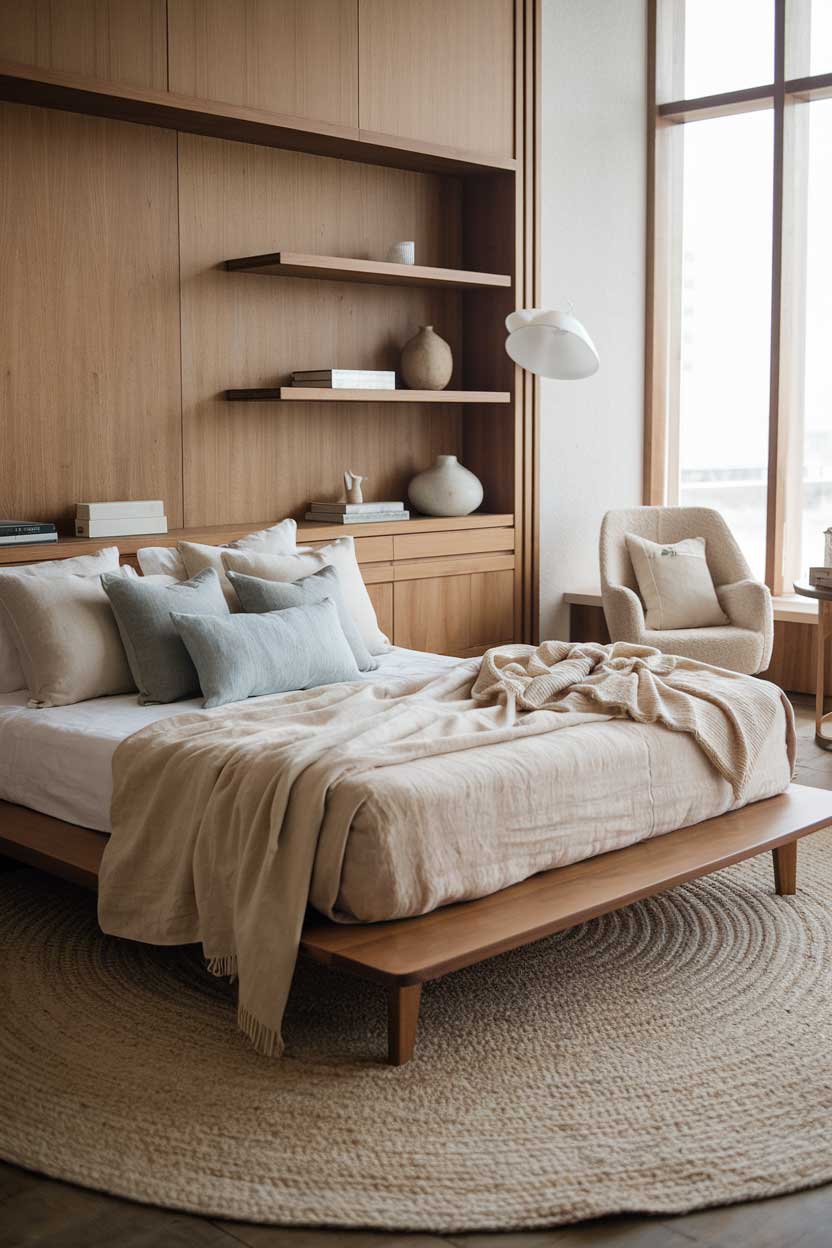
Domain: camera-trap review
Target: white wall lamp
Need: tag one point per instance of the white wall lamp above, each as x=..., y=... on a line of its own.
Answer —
x=551, y=344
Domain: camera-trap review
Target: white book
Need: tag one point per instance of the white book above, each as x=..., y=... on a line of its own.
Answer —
x=346, y=379
x=355, y=508
x=27, y=538
x=374, y=517
x=120, y=511
x=129, y=526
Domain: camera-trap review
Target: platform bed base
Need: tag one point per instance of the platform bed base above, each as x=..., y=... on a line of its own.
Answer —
x=404, y=954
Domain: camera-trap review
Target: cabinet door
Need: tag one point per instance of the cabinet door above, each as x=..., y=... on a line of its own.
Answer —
x=439, y=72
x=120, y=40
x=277, y=55
x=461, y=615
x=381, y=596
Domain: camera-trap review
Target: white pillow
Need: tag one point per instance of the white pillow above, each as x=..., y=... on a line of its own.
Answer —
x=67, y=638
x=339, y=555
x=11, y=670
x=277, y=540
x=675, y=583
x=162, y=561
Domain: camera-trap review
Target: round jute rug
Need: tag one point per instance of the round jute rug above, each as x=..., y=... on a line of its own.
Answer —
x=673, y=1055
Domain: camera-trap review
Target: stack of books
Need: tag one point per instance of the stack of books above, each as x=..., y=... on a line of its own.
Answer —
x=820, y=578
x=356, y=513
x=120, y=519
x=21, y=532
x=346, y=379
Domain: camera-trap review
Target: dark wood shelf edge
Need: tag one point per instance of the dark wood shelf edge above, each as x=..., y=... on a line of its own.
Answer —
x=278, y=394
x=26, y=84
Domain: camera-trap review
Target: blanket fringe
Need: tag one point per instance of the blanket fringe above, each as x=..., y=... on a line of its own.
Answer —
x=265, y=1039
x=223, y=966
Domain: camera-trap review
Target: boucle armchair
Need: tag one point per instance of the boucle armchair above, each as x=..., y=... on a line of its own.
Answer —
x=743, y=645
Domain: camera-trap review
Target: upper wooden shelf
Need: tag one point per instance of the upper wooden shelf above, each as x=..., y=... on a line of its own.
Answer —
x=314, y=394
x=76, y=93
x=373, y=272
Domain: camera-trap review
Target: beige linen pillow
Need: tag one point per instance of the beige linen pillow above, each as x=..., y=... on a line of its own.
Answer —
x=11, y=670
x=67, y=638
x=279, y=539
x=339, y=555
x=162, y=561
x=675, y=583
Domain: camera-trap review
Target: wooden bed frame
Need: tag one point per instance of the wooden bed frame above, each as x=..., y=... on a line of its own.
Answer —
x=402, y=955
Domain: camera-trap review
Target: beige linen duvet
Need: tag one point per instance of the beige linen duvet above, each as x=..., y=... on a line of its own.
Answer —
x=217, y=815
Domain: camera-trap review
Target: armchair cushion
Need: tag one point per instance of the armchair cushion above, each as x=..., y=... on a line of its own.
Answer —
x=675, y=583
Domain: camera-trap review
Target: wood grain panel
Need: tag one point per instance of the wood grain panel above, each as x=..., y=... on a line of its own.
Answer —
x=439, y=72
x=278, y=55
x=794, y=658
x=89, y=324
x=122, y=40
x=252, y=459
x=381, y=596
x=454, y=614
x=455, y=542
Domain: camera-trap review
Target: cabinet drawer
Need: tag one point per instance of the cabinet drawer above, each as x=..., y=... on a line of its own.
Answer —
x=455, y=542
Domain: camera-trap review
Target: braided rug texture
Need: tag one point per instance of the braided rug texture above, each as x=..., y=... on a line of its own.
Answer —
x=672, y=1055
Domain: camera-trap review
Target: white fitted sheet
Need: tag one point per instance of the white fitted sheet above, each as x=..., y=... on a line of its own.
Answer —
x=58, y=760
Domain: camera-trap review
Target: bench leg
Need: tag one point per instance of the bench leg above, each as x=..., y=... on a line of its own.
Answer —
x=402, y=1020
x=785, y=869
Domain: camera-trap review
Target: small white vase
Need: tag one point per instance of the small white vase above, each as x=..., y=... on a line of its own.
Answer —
x=446, y=489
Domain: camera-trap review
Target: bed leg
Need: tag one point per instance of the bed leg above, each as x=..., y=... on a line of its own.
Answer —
x=402, y=1020
x=785, y=869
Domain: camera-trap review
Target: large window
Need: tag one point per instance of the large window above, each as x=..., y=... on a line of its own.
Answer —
x=739, y=413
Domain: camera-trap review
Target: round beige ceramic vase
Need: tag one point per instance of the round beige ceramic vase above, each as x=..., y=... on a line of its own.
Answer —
x=427, y=361
x=446, y=489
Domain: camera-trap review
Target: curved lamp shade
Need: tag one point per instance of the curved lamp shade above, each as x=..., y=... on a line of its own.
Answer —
x=550, y=344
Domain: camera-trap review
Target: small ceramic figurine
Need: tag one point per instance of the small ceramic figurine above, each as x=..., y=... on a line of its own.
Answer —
x=352, y=487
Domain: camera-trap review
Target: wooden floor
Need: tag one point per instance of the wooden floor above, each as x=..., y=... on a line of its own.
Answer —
x=34, y=1210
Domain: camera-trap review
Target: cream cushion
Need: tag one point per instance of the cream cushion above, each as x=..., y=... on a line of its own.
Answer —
x=340, y=555
x=675, y=584
x=12, y=677
x=67, y=638
x=162, y=561
x=279, y=539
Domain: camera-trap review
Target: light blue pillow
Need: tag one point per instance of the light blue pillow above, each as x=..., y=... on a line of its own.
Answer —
x=256, y=594
x=241, y=656
x=159, y=662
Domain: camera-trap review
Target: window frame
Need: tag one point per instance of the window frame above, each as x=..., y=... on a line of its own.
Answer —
x=664, y=250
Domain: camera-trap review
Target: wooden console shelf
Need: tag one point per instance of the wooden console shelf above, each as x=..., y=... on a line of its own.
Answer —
x=77, y=93
x=373, y=272
x=312, y=394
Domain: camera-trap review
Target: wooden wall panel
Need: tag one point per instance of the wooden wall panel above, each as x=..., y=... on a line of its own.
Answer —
x=381, y=596
x=238, y=329
x=794, y=657
x=120, y=40
x=279, y=55
x=89, y=324
x=454, y=614
x=440, y=72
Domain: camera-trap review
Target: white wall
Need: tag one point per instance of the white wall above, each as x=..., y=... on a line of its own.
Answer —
x=593, y=194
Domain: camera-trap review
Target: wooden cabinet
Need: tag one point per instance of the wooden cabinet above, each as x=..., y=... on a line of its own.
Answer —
x=120, y=40
x=277, y=55
x=462, y=614
x=439, y=72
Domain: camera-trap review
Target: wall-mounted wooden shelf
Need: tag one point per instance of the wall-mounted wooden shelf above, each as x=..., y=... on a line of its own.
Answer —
x=373, y=272
x=314, y=394
x=76, y=93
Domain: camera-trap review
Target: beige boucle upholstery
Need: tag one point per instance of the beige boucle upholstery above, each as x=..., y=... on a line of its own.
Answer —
x=744, y=645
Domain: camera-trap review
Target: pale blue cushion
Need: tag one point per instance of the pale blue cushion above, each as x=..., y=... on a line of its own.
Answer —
x=159, y=662
x=256, y=594
x=241, y=656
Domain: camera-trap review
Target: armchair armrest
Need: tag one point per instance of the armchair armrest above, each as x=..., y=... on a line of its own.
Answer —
x=624, y=613
x=748, y=605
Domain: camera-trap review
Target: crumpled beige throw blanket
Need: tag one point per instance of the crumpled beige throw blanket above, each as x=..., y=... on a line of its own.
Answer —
x=216, y=814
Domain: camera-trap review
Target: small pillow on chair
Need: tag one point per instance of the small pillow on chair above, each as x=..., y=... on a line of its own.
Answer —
x=675, y=583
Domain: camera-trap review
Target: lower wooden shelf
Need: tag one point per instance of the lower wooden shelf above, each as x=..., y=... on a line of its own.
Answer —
x=314, y=394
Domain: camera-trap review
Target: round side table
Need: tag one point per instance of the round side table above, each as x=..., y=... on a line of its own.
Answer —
x=824, y=631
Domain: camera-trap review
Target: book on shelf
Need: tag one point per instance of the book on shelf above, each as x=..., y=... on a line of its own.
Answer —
x=26, y=539
x=25, y=528
x=364, y=517
x=127, y=526
x=346, y=379
x=142, y=507
x=350, y=509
